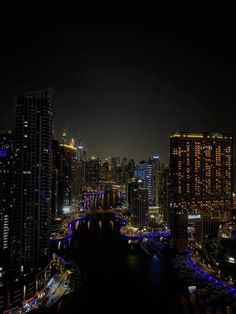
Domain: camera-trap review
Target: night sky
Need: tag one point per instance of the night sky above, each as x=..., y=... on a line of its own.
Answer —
x=123, y=87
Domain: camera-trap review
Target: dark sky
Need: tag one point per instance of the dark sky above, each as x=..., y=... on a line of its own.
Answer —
x=123, y=87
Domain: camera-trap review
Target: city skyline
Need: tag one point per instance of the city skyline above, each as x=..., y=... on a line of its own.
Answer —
x=124, y=88
x=117, y=159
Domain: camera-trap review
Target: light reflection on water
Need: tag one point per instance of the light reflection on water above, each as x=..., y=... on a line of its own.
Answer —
x=115, y=270
x=112, y=225
x=133, y=262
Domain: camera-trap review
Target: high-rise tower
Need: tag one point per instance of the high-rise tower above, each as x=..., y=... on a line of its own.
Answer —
x=138, y=203
x=6, y=157
x=92, y=171
x=201, y=179
x=32, y=181
x=67, y=161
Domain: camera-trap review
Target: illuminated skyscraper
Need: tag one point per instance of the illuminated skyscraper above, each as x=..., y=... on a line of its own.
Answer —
x=138, y=203
x=140, y=170
x=149, y=173
x=148, y=180
x=201, y=178
x=6, y=156
x=156, y=180
x=164, y=192
x=67, y=174
x=128, y=169
x=105, y=171
x=92, y=171
x=114, y=165
x=80, y=166
x=81, y=151
x=32, y=181
x=55, y=179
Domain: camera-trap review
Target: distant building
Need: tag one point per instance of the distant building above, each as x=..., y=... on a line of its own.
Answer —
x=67, y=175
x=201, y=180
x=156, y=187
x=140, y=170
x=114, y=165
x=32, y=178
x=149, y=180
x=138, y=203
x=81, y=151
x=150, y=173
x=163, y=194
x=81, y=176
x=105, y=174
x=234, y=175
x=92, y=171
x=55, y=179
x=127, y=170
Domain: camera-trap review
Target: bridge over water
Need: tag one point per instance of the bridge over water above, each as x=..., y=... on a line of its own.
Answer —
x=107, y=198
x=105, y=210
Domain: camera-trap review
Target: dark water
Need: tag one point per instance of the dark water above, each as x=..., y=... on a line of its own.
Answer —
x=119, y=276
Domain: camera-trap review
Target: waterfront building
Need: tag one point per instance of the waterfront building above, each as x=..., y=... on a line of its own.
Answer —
x=6, y=160
x=32, y=179
x=201, y=180
x=138, y=203
x=68, y=173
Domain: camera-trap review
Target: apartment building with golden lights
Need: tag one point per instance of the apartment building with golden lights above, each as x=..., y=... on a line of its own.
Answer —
x=201, y=182
x=201, y=170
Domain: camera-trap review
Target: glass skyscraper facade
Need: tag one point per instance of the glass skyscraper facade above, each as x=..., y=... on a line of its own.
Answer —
x=6, y=158
x=30, y=218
